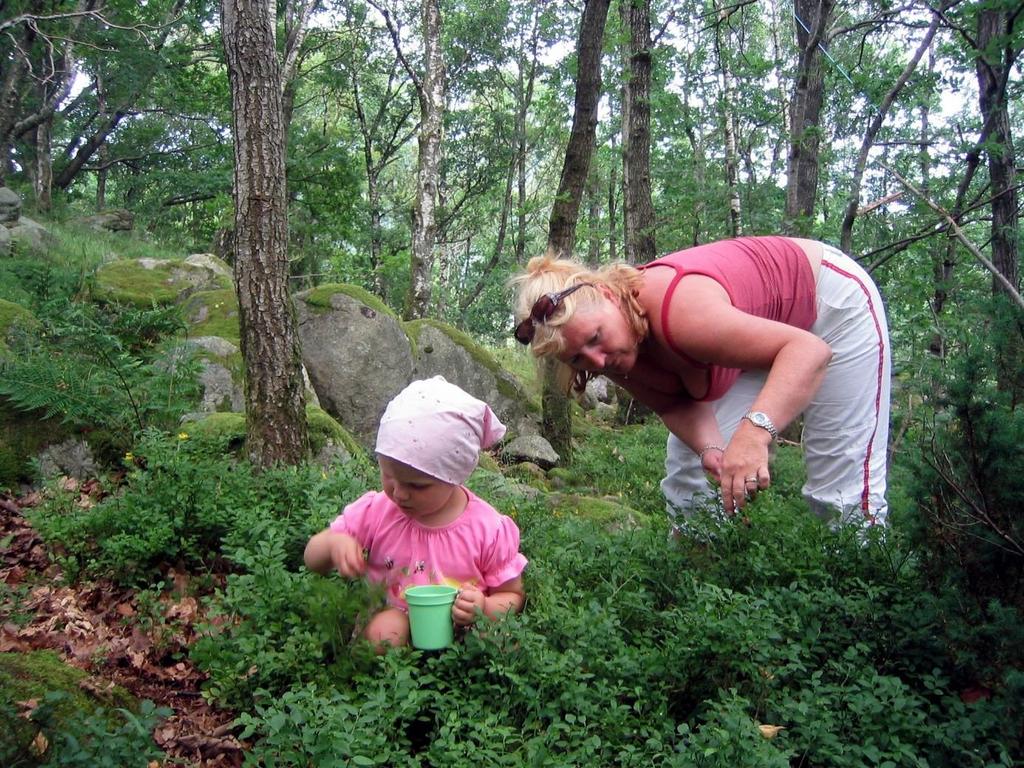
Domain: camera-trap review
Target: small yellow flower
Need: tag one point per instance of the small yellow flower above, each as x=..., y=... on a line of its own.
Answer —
x=129, y=457
x=183, y=435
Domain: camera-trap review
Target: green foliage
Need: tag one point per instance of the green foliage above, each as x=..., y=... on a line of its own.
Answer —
x=617, y=461
x=102, y=367
x=99, y=739
x=633, y=651
x=184, y=497
x=77, y=724
x=970, y=449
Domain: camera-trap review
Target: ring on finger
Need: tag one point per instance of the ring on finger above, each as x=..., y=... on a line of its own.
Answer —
x=750, y=479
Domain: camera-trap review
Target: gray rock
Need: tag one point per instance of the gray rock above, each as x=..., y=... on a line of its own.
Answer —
x=215, y=345
x=531, y=448
x=5, y=241
x=72, y=457
x=442, y=354
x=29, y=235
x=358, y=357
x=110, y=220
x=10, y=206
x=210, y=262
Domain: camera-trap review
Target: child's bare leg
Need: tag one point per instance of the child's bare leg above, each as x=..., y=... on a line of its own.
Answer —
x=388, y=628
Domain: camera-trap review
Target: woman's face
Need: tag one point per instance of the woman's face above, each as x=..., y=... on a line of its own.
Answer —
x=598, y=339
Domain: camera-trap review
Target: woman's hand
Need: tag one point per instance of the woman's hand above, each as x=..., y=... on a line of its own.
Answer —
x=469, y=599
x=744, y=468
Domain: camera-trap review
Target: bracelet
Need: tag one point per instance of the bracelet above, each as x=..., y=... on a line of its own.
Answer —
x=705, y=449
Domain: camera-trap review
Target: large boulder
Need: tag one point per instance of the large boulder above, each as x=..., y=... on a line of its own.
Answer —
x=356, y=353
x=110, y=220
x=10, y=206
x=29, y=236
x=141, y=282
x=445, y=351
x=14, y=319
x=213, y=313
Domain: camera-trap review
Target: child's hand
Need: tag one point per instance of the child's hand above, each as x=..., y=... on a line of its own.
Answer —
x=347, y=556
x=469, y=599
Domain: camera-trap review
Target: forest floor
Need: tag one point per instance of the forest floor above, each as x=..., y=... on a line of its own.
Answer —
x=116, y=635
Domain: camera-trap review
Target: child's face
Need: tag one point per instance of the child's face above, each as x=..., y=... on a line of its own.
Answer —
x=419, y=495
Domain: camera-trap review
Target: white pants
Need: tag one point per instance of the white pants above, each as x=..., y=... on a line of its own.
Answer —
x=846, y=424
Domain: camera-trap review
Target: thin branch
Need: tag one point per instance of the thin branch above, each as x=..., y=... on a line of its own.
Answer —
x=999, y=276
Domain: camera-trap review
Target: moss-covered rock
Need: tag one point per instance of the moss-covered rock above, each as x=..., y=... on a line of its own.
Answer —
x=431, y=360
x=320, y=298
x=213, y=313
x=27, y=678
x=22, y=437
x=14, y=318
x=611, y=514
x=144, y=282
x=229, y=429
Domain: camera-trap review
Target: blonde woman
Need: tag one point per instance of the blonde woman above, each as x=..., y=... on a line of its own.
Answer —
x=728, y=343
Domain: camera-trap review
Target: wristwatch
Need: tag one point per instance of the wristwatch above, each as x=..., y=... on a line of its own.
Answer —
x=760, y=419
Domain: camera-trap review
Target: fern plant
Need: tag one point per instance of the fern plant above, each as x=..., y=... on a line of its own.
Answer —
x=108, y=368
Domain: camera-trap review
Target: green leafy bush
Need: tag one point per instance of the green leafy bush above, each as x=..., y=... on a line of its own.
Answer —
x=103, y=368
x=185, y=501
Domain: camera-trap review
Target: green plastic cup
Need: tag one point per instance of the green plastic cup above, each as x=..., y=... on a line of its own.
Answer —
x=430, y=615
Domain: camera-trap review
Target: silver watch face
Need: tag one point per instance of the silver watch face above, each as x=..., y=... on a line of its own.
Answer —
x=760, y=419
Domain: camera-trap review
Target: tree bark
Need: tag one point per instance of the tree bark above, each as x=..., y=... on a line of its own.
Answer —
x=812, y=19
x=638, y=207
x=583, y=134
x=556, y=417
x=432, y=97
x=734, y=223
x=995, y=60
x=275, y=413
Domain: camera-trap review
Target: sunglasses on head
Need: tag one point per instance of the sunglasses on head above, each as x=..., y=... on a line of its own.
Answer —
x=541, y=312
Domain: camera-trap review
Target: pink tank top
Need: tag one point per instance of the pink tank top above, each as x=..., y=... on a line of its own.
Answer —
x=768, y=277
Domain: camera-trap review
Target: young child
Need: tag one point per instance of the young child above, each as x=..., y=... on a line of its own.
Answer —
x=425, y=526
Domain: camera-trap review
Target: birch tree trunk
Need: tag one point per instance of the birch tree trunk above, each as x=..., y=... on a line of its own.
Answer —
x=432, y=96
x=274, y=397
x=726, y=108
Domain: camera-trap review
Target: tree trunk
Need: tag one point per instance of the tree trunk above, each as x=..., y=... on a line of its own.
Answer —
x=734, y=223
x=613, y=209
x=812, y=18
x=995, y=59
x=557, y=417
x=638, y=207
x=276, y=421
x=432, y=96
x=43, y=176
x=583, y=135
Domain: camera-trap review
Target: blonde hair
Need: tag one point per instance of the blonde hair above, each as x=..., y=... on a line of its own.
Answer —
x=551, y=274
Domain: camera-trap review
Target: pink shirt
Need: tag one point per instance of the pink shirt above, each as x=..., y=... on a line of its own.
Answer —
x=481, y=546
x=768, y=277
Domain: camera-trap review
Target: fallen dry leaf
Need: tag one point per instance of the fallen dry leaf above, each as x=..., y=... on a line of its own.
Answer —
x=40, y=745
